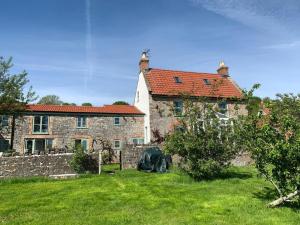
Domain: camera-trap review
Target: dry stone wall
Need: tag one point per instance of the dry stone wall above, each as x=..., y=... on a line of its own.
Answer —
x=36, y=165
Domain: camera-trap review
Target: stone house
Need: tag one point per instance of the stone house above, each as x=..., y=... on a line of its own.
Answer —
x=45, y=127
x=159, y=93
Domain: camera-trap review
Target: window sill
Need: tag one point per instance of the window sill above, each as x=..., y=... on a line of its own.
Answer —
x=82, y=128
x=40, y=132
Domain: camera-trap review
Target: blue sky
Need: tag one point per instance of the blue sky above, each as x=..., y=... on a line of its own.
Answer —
x=88, y=50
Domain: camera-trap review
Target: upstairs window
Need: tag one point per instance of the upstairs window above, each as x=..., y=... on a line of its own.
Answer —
x=206, y=82
x=3, y=120
x=81, y=121
x=178, y=106
x=223, y=107
x=40, y=124
x=177, y=80
x=117, y=121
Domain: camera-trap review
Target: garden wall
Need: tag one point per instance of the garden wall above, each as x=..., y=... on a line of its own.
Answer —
x=131, y=154
x=36, y=165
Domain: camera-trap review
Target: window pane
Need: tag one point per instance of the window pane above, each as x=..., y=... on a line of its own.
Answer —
x=36, y=128
x=4, y=145
x=84, y=144
x=135, y=141
x=44, y=128
x=37, y=120
x=117, y=144
x=49, y=143
x=117, y=121
x=83, y=121
x=141, y=141
x=45, y=120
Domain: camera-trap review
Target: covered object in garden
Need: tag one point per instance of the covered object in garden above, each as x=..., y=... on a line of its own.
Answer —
x=153, y=160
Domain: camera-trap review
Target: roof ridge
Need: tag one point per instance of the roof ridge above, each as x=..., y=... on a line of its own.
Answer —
x=184, y=71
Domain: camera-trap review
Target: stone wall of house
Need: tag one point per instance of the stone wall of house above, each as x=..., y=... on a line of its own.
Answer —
x=63, y=130
x=36, y=165
x=162, y=117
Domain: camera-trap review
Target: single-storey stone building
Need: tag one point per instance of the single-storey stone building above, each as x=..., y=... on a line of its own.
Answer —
x=43, y=127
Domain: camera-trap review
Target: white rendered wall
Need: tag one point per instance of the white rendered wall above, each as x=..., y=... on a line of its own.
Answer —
x=141, y=101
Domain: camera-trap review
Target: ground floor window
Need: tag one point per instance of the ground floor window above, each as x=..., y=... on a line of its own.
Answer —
x=137, y=141
x=81, y=143
x=4, y=145
x=38, y=145
x=117, y=144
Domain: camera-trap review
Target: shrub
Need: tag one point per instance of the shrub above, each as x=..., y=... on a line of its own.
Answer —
x=203, y=140
x=82, y=162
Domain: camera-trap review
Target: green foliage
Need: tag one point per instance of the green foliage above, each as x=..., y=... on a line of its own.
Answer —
x=120, y=103
x=86, y=104
x=50, y=100
x=83, y=162
x=273, y=137
x=13, y=98
x=66, y=103
x=203, y=140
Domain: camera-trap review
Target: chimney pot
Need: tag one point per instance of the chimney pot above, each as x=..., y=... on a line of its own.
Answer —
x=223, y=69
x=144, y=62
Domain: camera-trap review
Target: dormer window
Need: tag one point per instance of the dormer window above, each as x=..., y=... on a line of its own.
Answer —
x=177, y=80
x=206, y=82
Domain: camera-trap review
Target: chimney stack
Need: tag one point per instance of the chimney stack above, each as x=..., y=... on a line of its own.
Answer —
x=223, y=69
x=144, y=62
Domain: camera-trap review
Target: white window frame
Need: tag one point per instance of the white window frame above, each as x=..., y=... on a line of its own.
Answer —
x=119, y=123
x=41, y=124
x=117, y=141
x=140, y=141
x=80, y=120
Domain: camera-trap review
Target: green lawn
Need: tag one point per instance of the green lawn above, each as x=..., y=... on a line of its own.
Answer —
x=131, y=197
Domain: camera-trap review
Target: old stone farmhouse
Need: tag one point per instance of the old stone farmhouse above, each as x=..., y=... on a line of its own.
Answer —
x=45, y=127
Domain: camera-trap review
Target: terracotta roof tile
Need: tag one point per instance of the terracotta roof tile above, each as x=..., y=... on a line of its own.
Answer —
x=106, y=109
x=162, y=82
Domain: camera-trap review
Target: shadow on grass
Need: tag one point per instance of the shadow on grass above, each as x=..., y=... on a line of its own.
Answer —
x=270, y=194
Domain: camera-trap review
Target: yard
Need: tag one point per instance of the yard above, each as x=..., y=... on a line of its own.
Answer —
x=131, y=197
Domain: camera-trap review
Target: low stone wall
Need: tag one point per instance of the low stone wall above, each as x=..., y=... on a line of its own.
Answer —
x=242, y=159
x=131, y=154
x=36, y=165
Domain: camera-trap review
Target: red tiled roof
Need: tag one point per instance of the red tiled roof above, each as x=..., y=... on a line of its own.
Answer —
x=106, y=109
x=162, y=82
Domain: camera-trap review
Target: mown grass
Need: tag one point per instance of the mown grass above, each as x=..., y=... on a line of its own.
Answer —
x=132, y=197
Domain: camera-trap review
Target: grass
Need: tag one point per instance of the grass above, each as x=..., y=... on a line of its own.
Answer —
x=132, y=197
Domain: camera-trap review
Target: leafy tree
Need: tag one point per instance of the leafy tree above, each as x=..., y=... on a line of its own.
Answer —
x=66, y=103
x=50, y=100
x=86, y=104
x=202, y=139
x=273, y=138
x=120, y=103
x=13, y=98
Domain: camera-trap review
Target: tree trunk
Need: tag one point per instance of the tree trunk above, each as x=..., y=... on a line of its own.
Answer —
x=283, y=199
x=100, y=161
x=12, y=134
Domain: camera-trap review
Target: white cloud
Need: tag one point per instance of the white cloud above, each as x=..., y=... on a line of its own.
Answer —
x=267, y=15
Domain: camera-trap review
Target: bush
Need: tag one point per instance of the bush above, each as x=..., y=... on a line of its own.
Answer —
x=205, y=143
x=82, y=162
